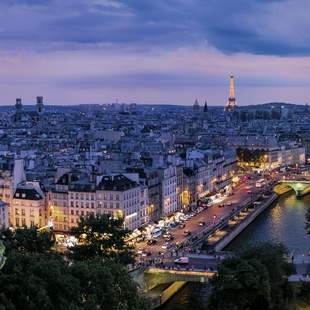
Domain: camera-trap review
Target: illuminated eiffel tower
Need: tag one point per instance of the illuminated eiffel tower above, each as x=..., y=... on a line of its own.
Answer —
x=231, y=103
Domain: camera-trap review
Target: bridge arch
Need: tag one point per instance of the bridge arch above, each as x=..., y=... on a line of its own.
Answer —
x=300, y=188
x=156, y=276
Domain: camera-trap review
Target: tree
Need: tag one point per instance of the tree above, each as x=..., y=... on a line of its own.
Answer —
x=239, y=285
x=256, y=278
x=27, y=240
x=101, y=236
x=106, y=286
x=32, y=281
x=273, y=257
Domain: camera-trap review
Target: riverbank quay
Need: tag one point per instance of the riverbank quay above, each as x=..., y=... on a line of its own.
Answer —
x=223, y=236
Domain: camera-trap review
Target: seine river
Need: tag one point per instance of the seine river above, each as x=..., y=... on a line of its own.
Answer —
x=283, y=222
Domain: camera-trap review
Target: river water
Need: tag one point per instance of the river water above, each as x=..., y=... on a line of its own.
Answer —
x=283, y=222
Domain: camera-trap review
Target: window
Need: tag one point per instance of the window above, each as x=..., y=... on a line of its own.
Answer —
x=92, y=196
x=82, y=196
x=71, y=204
x=77, y=212
x=16, y=211
x=117, y=205
x=23, y=222
x=72, y=212
x=31, y=223
x=117, y=197
x=111, y=196
x=82, y=204
x=92, y=205
x=23, y=212
x=76, y=196
x=17, y=221
x=82, y=213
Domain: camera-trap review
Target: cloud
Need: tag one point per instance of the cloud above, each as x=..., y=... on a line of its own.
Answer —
x=153, y=50
x=278, y=27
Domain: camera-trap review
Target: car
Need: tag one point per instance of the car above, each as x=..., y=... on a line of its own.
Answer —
x=182, y=261
x=186, y=232
x=228, y=204
x=173, y=224
x=221, y=205
x=140, y=239
x=249, y=192
x=166, y=235
x=201, y=223
x=145, y=254
x=170, y=238
x=151, y=242
x=166, y=245
x=182, y=225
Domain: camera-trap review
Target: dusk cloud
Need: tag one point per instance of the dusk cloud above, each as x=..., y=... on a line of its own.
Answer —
x=110, y=47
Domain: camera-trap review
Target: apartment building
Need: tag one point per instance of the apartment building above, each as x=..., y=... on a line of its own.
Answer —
x=28, y=206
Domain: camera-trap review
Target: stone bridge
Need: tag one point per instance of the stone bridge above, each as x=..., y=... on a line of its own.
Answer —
x=300, y=187
x=157, y=276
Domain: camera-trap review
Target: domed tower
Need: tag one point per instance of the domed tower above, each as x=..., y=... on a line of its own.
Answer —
x=18, y=105
x=40, y=105
x=196, y=107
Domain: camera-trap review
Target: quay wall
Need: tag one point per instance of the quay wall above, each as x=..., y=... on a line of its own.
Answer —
x=247, y=221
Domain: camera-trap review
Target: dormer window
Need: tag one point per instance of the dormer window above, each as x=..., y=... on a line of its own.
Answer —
x=17, y=194
x=23, y=195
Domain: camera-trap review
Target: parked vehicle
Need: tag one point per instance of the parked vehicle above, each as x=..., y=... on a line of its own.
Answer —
x=201, y=223
x=182, y=261
x=166, y=245
x=186, y=232
x=260, y=183
x=151, y=242
x=140, y=239
x=156, y=232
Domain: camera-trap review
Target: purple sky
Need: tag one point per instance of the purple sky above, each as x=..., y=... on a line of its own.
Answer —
x=163, y=51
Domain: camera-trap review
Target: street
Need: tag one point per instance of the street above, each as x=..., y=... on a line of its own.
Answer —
x=210, y=216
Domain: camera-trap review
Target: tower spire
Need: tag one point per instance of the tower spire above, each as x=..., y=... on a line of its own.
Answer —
x=231, y=103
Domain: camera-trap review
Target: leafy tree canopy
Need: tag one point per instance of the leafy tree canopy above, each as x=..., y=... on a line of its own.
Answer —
x=26, y=240
x=256, y=278
x=101, y=236
x=31, y=281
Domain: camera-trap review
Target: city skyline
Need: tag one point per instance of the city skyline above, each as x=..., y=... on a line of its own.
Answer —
x=173, y=52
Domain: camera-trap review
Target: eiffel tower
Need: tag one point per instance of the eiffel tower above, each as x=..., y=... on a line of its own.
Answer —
x=231, y=103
